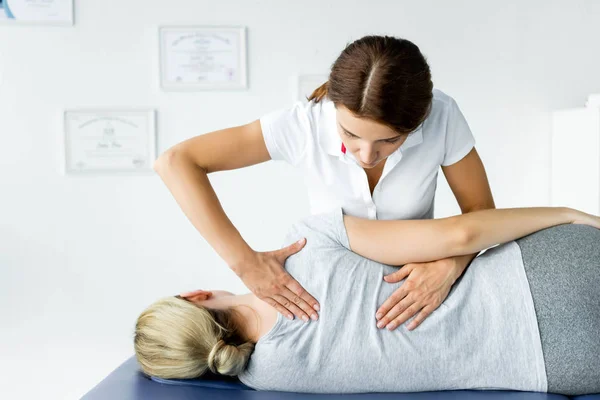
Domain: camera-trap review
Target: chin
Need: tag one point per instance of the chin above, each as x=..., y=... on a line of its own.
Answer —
x=369, y=166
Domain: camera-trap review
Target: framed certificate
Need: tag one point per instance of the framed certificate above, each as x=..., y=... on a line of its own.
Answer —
x=107, y=141
x=306, y=84
x=45, y=12
x=202, y=58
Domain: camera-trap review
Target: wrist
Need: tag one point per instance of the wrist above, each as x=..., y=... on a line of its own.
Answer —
x=242, y=258
x=460, y=264
x=570, y=215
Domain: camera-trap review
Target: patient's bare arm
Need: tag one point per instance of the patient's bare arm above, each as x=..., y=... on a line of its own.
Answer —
x=397, y=242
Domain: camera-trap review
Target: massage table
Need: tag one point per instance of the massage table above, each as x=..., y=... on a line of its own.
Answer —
x=127, y=382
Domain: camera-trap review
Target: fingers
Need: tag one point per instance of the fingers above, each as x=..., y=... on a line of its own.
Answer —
x=292, y=299
x=309, y=304
x=290, y=306
x=425, y=312
x=399, y=294
x=394, y=299
x=395, y=311
x=204, y=293
x=280, y=308
x=279, y=289
x=405, y=316
x=301, y=308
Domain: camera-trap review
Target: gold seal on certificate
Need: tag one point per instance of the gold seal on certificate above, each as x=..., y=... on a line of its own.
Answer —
x=108, y=141
x=46, y=12
x=201, y=58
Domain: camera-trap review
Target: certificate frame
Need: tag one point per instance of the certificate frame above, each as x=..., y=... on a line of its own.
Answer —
x=305, y=83
x=142, y=161
x=166, y=58
x=7, y=17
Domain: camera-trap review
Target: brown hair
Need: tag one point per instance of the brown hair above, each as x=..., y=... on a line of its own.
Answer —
x=176, y=339
x=381, y=78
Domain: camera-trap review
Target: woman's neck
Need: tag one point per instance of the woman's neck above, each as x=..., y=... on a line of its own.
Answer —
x=257, y=317
x=254, y=317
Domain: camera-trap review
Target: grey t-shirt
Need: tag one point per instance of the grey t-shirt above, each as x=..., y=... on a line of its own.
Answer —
x=484, y=335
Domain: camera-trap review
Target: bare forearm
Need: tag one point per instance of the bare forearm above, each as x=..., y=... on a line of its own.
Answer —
x=398, y=242
x=486, y=228
x=191, y=188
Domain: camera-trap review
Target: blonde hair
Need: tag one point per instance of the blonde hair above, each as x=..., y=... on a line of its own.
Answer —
x=176, y=339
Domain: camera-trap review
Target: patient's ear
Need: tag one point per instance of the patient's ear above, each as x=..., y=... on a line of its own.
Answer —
x=197, y=295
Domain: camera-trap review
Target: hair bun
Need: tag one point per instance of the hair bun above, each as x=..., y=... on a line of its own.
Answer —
x=212, y=356
x=229, y=359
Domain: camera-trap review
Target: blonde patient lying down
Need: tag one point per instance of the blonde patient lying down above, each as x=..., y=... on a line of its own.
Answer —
x=521, y=315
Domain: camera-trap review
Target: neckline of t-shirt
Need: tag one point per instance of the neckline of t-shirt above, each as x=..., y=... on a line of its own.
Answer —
x=271, y=331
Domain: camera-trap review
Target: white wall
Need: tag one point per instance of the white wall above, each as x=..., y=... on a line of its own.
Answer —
x=81, y=257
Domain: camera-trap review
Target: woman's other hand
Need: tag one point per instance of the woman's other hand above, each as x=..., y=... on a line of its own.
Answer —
x=265, y=276
x=426, y=287
x=196, y=295
x=579, y=217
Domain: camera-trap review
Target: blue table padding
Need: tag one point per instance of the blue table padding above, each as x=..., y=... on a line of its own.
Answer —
x=211, y=382
x=128, y=383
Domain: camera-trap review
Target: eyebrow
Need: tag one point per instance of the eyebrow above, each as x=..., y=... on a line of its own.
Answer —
x=379, y=140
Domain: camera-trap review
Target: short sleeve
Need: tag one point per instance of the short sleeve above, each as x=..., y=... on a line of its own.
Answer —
x=459, y=138
x=339, y=229
x=324, y=230
x=286, y=132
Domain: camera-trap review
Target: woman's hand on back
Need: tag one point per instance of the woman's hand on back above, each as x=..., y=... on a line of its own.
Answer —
x=426, y=287
x=266, y=277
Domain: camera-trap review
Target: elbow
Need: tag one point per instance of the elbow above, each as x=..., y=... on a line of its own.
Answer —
x=175, y=159
x=462, y=238
x=165, y=160
x=170, y=159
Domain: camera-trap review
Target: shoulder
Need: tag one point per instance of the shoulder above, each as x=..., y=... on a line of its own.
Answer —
x=319, y=114
x=443, y=109
x=438, y=117
x=301, y=116
x=313, y=111
x=441, y=103
x=289, y=132
x=323, y=230
x=442, y=98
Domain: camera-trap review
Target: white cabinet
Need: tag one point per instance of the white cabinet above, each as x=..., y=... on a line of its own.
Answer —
x=575, y=171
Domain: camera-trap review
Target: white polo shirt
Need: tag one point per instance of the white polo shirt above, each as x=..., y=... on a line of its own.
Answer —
x=305, y=135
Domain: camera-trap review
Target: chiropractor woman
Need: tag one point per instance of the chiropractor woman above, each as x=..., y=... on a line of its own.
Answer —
x=371, y=140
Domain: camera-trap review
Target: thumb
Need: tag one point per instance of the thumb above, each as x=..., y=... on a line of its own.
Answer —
x=294, y=247
x=398, y=275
